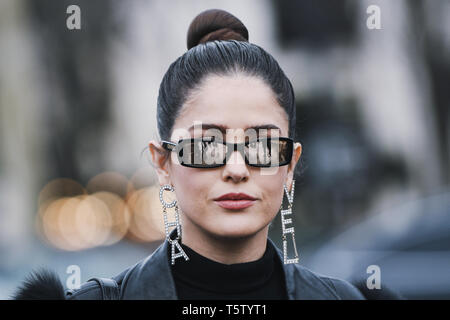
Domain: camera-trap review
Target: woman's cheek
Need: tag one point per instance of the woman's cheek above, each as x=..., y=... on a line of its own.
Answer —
x=273, y=196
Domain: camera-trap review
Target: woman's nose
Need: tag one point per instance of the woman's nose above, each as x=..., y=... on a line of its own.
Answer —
x=235, y=168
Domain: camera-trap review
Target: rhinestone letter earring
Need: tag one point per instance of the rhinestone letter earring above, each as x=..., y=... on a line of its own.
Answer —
x=174, y=242
x=290, y=230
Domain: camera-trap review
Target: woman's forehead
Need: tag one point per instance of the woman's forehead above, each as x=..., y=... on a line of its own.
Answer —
x=233, y=102
x=223, y=93
x=237, y=127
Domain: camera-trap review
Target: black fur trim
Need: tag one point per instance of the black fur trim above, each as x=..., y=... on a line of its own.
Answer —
x=42, y=284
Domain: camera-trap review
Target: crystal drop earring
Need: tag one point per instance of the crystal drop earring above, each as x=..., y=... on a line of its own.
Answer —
x=175, y=243
x=289, y=230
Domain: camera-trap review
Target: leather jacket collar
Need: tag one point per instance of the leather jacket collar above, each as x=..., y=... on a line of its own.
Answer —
x=152, y=279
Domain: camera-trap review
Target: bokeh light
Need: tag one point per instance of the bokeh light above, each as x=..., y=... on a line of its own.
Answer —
x=110, y=208
x=119, y=213
x=147, y=223
x=59, y=188
x=110, y=181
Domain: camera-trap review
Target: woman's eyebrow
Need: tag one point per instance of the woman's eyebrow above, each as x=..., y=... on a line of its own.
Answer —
x=264, y=126
x=223, y=129
x=207, y=126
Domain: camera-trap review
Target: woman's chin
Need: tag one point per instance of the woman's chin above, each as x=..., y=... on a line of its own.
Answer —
x=235, y=231
x=231, y=225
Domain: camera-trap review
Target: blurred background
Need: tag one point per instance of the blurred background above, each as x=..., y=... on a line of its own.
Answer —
x=78, y=107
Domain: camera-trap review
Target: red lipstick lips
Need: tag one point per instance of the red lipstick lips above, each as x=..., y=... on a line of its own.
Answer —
x=235, y=201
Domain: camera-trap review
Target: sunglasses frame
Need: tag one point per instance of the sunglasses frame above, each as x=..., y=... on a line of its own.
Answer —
x=171, y=146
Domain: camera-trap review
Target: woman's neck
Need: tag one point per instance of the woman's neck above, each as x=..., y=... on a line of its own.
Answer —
x=225, y=250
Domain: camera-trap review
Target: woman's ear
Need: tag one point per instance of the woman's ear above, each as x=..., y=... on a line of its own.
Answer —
x=291, y=167
x=160, y=161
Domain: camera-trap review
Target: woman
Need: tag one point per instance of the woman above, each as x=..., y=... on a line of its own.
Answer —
x=226, y=118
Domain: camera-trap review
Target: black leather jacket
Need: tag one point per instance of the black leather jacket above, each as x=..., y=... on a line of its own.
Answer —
x=151, y=278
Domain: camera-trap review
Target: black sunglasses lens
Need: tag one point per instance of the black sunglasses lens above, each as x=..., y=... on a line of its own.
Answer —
x=201, y=153
x=263, y=152
x=269, y=152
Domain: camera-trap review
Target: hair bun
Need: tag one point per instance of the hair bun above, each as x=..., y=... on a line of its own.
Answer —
x=215, y=24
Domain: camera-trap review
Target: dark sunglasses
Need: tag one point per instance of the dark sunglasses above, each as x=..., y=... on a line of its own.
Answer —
x=210, y=152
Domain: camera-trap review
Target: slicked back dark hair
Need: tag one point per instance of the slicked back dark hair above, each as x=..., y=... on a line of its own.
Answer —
x=218, y=45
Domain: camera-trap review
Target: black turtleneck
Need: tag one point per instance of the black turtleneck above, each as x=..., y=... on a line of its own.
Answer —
x=202, y=278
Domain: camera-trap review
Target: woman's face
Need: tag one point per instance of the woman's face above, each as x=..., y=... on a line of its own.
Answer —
x=229, y=102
